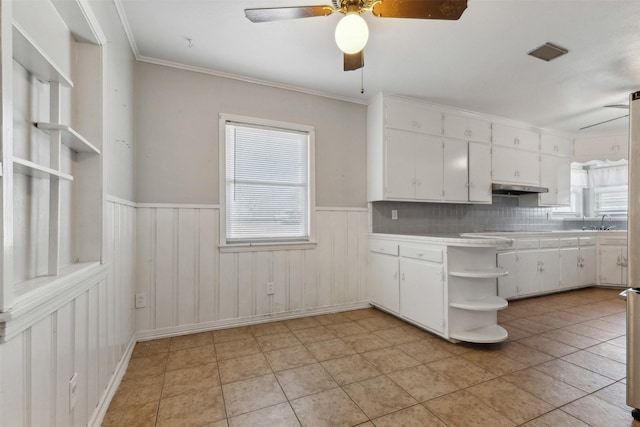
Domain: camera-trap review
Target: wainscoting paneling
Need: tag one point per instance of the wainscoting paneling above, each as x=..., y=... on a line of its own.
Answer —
x=189, y=282
x=88, y=335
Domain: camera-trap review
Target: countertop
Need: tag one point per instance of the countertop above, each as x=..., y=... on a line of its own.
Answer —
x=488, y=238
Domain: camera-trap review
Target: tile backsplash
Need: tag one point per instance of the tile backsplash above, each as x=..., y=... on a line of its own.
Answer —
x=503, y=214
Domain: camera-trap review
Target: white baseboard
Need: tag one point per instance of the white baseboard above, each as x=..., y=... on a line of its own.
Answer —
x=101, y=410
x=245, y=321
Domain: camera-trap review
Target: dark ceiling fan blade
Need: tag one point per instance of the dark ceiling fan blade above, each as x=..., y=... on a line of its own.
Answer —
x=353, y=61
x=606, y=121
x=420, y=9
x=281, y=13
x=623, y=106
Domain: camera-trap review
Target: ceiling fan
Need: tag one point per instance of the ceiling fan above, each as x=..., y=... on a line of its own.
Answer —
x=621, y=106
x=352, y=32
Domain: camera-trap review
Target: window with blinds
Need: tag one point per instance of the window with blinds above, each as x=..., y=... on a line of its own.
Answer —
x=267, y=183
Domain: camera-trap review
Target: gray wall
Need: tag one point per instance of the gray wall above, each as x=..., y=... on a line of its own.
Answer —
x=177, y=135
x=503, y=215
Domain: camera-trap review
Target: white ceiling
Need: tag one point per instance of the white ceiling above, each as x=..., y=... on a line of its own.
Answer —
x=478, y=63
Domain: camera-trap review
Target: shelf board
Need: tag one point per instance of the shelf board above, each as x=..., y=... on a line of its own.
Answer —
x=485, y=334
x=28, y=54
x=70, y=137
x=481, y=273
x=35, y=170
x=488, y=303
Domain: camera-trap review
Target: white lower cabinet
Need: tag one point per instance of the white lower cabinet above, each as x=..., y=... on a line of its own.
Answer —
x=547, y=269
x=422, y=286
x=613, y=265
x=384, y=290
x=448, y=290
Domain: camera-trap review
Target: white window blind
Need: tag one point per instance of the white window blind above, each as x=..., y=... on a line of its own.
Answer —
x=267, y=184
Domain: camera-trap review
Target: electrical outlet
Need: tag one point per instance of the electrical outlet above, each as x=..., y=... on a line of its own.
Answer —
x=141, y=300
x=73, y=391
x=394, y=214
x=271, y=288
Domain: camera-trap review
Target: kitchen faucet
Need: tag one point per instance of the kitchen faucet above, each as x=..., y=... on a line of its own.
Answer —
x=608, y=217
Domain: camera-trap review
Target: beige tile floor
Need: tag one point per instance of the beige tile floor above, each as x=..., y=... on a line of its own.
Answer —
x=563, y=365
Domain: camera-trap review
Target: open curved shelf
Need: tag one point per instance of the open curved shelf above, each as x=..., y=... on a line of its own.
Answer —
x=70, y=137
x=481, y=273
x=485, y=334
x=488, y=303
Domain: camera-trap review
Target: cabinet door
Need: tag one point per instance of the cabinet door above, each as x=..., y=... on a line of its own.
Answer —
x=383, y=281
x=406, y=115
x=549, y=270
x=428, y=157
x=508, y=285
x=422, y=293
x=588, y=267
x=528, y=168
x=479, y=173
x=510, y=136
x=569, y=268
x=610, y=265
x=504, y=165
x=456, y=172
x=563, y=181
x=467, y=128
x=555, y=144
x=528, y=273
x=549, y=166
x=400, y=172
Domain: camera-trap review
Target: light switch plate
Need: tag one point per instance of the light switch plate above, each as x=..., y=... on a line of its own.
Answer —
x=394, y=214
x=141, y=300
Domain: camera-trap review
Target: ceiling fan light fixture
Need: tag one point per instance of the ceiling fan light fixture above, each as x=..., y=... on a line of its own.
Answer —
x=352, y=33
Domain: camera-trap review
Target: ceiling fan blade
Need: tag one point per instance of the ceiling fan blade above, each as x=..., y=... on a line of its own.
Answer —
x=623, y=106
x=606, y=121
x=420, y=9
x=281, y=13
x=353, y=61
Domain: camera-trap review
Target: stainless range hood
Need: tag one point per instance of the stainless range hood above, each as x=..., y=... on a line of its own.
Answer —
x=516, y=190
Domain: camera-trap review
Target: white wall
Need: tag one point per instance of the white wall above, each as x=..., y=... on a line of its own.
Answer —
x=177, y=135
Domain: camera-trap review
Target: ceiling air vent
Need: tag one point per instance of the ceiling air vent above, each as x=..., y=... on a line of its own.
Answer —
x=548, y=51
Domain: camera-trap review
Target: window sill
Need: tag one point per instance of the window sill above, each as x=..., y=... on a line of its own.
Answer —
x=271, y=246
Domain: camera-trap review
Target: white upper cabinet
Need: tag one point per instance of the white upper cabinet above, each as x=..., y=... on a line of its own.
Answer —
x=479, y=173
x=555, y=174
x=511, y=166
x=515, y=137
x=467, y=128
x=601, y=147
x=411, y=116
x=555, y=144
x=456, y=167
x=414, y=168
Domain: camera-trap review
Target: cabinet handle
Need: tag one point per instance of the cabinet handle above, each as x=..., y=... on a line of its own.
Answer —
x=395, y=274
x=403, y=277
x=618, y=262
x=418, y=182
x=420, y=255
x=413, y=181
x=516, y=141
x=415, y=124
x=624, y=261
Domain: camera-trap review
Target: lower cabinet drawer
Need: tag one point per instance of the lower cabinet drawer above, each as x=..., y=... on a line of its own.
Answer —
x=432, y=254
x=383, y=247
x=568, y=242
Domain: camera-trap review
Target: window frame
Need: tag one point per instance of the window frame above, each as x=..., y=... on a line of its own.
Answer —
x=225, y=246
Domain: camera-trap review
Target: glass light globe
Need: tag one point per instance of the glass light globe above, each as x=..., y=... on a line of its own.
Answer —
x=352, y=33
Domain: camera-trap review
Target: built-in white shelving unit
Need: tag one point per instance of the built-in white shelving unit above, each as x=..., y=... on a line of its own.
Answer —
x=487, y=303
x=481, y=273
